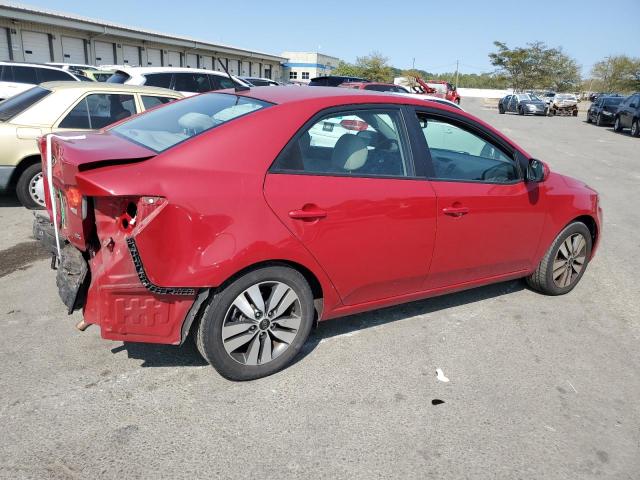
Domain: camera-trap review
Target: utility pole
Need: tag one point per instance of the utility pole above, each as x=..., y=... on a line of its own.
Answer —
x=456, y=74
x=413, y=64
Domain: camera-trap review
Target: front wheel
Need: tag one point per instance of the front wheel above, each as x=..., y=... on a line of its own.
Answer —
x=617, y=126
x=635, y=128
x=500, y=109
x=599, y=120
x=30, y=187
x=588, y=118
x=256, y=325
x=520, y=111
x=565, y=262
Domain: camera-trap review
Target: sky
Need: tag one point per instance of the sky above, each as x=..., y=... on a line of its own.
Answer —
x=435, y=34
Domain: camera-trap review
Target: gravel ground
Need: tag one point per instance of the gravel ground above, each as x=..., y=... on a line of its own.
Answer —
x=540, y=387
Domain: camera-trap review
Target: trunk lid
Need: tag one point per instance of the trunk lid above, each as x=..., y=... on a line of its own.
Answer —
x=72, y=153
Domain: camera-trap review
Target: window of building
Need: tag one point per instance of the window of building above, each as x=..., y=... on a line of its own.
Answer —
x=293, y=75
x=305, y=75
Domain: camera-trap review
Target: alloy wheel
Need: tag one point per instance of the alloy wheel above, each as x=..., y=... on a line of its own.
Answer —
x=635, y=129
x=36, y=189
x=261, y=323
x=570, y=260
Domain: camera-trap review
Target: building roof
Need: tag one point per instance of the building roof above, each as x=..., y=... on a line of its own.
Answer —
x=32, y=14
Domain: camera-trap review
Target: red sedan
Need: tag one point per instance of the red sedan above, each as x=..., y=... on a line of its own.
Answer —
x=247, y=216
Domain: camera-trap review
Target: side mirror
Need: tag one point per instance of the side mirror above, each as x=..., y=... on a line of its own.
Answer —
x=537, y=171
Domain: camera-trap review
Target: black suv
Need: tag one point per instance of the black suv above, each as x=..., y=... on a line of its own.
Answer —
x=333, y=81
x=603, y=110
x=628, y=115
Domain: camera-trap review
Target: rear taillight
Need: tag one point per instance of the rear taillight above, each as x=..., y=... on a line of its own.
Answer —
x=357, y=125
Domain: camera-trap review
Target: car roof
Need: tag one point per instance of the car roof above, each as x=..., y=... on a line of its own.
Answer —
x=36, y=65
x=103, y=87
x=145, y=70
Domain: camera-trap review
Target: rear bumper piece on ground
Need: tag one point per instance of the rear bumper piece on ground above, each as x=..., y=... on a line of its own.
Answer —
x=6, y=172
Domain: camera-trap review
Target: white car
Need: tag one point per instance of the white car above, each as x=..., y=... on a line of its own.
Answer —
x=18, y=77
x=188, y=81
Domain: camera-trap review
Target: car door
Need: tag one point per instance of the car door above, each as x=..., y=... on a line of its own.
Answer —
x=513, y=103
x=631, y=105
x=489, y=220
x=357, y=202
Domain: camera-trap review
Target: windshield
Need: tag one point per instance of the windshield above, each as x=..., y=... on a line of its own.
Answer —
x=176, y=122
x=613, y=101
x=19, y=103
x=565, y=96
x=524, y=96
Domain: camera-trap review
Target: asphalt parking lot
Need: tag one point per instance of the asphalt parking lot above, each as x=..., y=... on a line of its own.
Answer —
x=540, y=387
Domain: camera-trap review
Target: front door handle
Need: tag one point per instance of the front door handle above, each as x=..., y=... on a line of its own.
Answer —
x=308, y=214
x=455, y=211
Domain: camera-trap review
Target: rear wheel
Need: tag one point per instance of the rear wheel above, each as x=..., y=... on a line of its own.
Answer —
x=635, y=128
x=257, y=324
x=617, y=127
x=588, y=118
x=565, y=262
x=30, y=187
x=500, y=109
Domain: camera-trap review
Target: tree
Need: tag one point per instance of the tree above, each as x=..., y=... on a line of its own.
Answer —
x=536, y=66
x=617, y=74
x=373, y=67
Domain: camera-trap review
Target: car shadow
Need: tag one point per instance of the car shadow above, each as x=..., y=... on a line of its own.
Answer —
x=186, y=355
x=9, y=201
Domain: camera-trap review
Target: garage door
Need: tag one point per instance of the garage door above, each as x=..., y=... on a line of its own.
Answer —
x=104, y=53
x=35, y=46
x=245, y=69
x=217, y=67
x=192, y=60
x=154, y=58
x=131, y=55
x=206, y=62
x=73, y=50
x=172, y=59
x=4, y=45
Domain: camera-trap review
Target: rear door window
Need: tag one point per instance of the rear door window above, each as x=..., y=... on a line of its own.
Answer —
x=150, y=101
x=99, y=110
x=219, y=82
x=50, y=75
x=118, y=77
x=25, y=75
x=357, y=143
x=192, y=82
x=162, y=80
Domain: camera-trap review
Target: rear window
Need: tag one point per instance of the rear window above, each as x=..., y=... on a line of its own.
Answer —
x=118, y=77
x=613, y=101
x=19, y=103
x=51, y=75
x=158, y=80
x=176, y=122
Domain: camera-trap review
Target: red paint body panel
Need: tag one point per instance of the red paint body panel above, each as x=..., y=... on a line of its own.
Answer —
x=217, y=212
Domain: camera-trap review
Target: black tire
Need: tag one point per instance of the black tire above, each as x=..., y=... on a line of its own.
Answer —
x=500, y=109
x=588, y=118
x=209, y=335
x=27, y=199
x=616, y=125
x=635, y=128
x=542, y=279
x=520, y=111
x=575, y=113
x=552, y=112
x=599, y=120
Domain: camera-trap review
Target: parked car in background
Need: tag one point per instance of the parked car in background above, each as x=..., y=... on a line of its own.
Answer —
x=603, y=110
x=398, y=90
x=628, y=115
x=260, y=82
x=564, y=104
x=522, y=104
x=547, y=97
x=18, y=77
x=251, y=246
x=187, y=81
x=333, y=81
x=72, y=66
x=57, y=107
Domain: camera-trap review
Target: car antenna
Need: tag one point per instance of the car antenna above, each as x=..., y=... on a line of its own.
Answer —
x=239, y=88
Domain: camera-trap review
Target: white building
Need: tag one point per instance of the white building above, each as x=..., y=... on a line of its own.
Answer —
x=303, y=66
x=35, y=35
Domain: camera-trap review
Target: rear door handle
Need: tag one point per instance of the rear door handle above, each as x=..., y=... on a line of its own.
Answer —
x=310, y=214
x=455, y=211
